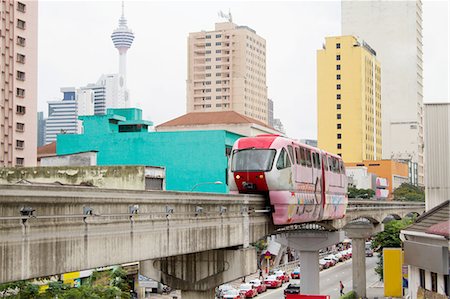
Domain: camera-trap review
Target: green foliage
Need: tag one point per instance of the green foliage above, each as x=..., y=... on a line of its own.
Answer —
x=349, y=295
x=408, y=192
x=360, y=193
x=389, y=238
x=260, y=245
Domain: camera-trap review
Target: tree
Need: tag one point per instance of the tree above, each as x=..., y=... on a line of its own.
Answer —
x=389, y=238
x=408, y=192
x=360, y=193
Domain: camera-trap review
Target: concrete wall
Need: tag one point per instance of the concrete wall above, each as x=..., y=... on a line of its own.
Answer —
x=113, y=177
x=81, y=159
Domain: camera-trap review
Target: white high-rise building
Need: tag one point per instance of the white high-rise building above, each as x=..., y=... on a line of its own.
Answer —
x=109, y=92
x=394, y=29
x=63, y=115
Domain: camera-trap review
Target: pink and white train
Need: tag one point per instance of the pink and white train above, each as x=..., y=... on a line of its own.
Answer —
x=303, y=183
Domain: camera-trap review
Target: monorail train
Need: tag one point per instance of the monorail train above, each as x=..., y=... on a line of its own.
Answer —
x=303, y=183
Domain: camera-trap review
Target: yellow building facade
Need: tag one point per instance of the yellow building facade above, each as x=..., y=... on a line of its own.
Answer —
x=349, y=99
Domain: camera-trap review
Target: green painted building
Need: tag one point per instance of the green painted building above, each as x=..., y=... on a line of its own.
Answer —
x=193, y=159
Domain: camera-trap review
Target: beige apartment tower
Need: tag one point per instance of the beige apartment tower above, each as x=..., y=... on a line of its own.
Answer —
x=18, y=93
x=227, y=71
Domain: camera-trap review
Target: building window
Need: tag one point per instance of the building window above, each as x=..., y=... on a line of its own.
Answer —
x=338, y=96
x=218, y=66
x=219, y=82
x=20, y=161
x=208, y=36
x=21, y=41
x=208, y=52
x=218, y=59
x=20, y=127
x=208, y=59
x=338, y=106
x=218, y=105
x=218, y=89
x=20, y=92
x=218, y=43
x=339, y=146
x=207, y=82
x=208, y=44
x=338, y=86
x=20, y=144
x=218, y=51
x=339, y=136
x=338, y=57
x=21, y=7
x=218, y=35
x=338, y=116
x=338, y=67
x=218, y=74
x=433, y=282
x=20, y=109
x=20, y=58
x=339, y=126
x=340, y=155
x=218, y=97
x=20, y=24
x=338, y=77
x=338, y=46
x=208, y=75
x=422, y=278
x=208, y=67
x=20, y=76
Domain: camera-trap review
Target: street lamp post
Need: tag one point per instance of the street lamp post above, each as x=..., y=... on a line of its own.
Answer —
x=206, y=183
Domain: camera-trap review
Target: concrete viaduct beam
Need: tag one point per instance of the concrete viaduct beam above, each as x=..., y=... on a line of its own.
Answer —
x=198, y=274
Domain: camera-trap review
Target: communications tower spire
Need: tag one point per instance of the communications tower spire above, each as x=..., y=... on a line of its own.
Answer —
x=122, y=38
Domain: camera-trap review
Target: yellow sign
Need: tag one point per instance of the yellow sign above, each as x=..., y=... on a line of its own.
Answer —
x=392, y=272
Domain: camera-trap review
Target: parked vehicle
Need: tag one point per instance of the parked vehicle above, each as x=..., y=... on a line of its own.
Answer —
x=233, y=294
x=282, y=275
x=223, y=289
x=292, y=289
x=259, y=285
x=369, y=252
x=295, y=274
x=248, y=290
x=330, y=260
x=271, y=281
x=325, y=264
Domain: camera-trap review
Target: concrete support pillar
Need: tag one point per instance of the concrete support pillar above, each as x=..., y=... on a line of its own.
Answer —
x=359, y=230
x=359, y=266
x=309, y=263
x=197, y=294
x=308, y=243
x=198, y=274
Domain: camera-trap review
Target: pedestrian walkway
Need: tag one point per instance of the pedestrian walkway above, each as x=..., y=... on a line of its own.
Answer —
x=375, y=290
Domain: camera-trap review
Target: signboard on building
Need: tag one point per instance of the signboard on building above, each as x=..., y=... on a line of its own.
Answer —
x=392, y=272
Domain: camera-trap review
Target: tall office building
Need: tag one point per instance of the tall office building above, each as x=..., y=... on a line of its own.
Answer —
x=349, y=99
x=394, y=29
x=40, y=129
x=270, y=112
x=109, y=92
x=227, y=71
x=18, y=81
x=63, y=115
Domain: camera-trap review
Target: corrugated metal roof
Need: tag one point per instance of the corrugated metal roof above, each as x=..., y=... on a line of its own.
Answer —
x=436, y=216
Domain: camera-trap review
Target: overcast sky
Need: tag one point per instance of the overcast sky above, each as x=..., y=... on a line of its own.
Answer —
x=75, y=48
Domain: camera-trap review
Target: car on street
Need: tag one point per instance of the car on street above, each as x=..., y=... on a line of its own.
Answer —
x=271, y=281
x=259, y=285
x=340, y=256
x=292, y=289
x=325, y=264
x=248, y=290
x=282, y=275
x=223, y=289
x=331, y=261
x=233, y=294
x=369, y=252
x=295, y=274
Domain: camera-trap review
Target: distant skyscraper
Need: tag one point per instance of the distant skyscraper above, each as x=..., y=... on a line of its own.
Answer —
x=278, y=125
x=63, y=115
x=349, y=99
x=227, y=71
x=40, y=129
x=18, y=83
x=122, y=38
x=109, y=92
x=394, y=29
x=270, y=112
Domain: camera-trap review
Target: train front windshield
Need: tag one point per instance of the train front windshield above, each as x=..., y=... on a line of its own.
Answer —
x=253, y=160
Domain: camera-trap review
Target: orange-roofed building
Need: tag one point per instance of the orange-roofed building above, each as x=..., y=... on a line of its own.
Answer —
x=394, y=171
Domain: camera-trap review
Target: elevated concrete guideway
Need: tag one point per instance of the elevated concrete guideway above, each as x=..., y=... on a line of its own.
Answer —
x=47, y=230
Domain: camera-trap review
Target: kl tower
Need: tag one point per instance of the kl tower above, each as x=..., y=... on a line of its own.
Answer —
x=122, y=38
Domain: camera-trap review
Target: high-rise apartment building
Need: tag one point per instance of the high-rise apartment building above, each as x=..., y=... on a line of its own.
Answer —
x=270, y=112
x=349, y=99
x=18, y=81
x=63, y=115
x=227, y=71
x=394, y=29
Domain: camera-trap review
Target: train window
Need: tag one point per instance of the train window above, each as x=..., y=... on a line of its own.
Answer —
x=297, y=154
x=291, y=153
x=283, y=160
x=308, y=158
x=252, y=160
x=330, y=163
x=325, y=163
x=316, y=160
x=341, y=166
x=302, y=156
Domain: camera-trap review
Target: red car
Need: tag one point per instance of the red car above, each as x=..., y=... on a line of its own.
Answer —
x=233, y=294
x=281, y=275
x=272, y=282
x=260, y=287
x=248, y=290
x=295, y=274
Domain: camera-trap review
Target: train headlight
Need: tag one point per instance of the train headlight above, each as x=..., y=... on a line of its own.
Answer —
x=238, y=177
x=261, y=176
